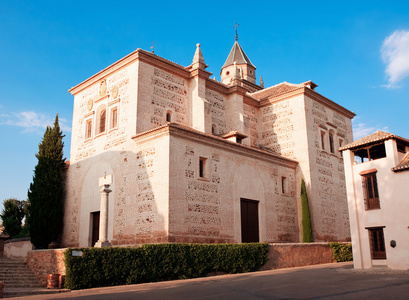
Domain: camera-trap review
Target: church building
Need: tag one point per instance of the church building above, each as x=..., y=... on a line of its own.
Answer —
x=194, y=159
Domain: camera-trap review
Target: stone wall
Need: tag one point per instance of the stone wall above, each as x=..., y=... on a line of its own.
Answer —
x=327, y=194
x=298, y=254
x=207, y=208
x=217, y=111
x=17, y=247
x=286, y=255
x=43, y=262
x=160, y=93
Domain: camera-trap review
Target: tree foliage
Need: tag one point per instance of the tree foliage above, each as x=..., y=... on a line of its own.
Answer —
x=306, y=217
x=12, y=215
x=46, y=190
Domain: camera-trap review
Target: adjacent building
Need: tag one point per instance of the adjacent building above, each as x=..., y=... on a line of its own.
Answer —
x=377, y=177
x=194, y=159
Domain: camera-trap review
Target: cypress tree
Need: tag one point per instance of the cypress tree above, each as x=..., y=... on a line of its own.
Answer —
x=306, y=217
x=46, y=190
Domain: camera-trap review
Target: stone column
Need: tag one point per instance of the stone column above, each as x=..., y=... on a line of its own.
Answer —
x=105, y=183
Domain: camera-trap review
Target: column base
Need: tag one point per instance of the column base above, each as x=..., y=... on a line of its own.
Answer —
x=102, y=244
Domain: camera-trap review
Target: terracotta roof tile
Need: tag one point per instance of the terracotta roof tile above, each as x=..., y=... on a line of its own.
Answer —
x=403, y=165
x=276, y=90
x=374, y=137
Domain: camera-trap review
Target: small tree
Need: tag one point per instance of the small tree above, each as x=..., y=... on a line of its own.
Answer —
x=306, y=217
x=12, y=215
x=46, y=190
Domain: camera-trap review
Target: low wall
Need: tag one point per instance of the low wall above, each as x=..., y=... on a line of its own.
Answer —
x=280, y=255
x=297, y=255
x=17, y=248
x=44, y=262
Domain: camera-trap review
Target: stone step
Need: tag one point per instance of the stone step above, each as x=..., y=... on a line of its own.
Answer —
x=16, y=280
x=14, y=270
x=11, y=267
x=20, y=276
x=20, y=292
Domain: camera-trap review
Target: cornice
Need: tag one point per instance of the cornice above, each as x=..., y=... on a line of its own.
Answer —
x=237, y=89
x=200, y=72
x=247, y=99
x=174, y=129
x=216, y=86
x=140, y=55
x=163, y=63
x=105, y=72
x=312, y=95
x=329, y=103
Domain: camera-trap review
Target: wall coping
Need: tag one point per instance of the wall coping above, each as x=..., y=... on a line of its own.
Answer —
x=18, y=240
x=305, y=244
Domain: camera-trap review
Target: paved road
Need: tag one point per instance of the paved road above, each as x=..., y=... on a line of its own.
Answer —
x=330, y=281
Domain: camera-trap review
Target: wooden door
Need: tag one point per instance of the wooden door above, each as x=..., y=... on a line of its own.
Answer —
x=249, y=221
x=95, y=227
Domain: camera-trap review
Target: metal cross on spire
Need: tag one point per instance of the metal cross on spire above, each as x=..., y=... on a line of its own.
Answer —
x=235, y=28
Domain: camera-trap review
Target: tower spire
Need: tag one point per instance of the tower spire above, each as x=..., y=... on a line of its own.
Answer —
x=235, y=28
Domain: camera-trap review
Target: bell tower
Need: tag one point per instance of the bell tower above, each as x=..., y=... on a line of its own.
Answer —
x=237, y=58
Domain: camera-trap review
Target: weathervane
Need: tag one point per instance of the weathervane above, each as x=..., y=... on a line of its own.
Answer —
x=235, y=28
x=153, y=43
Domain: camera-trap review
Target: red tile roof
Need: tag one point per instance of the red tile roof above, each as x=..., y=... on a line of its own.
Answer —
x=403, y=165
x=276, y=90
x=377, y=136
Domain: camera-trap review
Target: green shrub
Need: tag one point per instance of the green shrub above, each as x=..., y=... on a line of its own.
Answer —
x=341, y=251
x=159, y=262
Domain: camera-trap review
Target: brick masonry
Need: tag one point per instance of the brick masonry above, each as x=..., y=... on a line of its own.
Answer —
x=157, y=195
x=280, y=255
x=43, y=262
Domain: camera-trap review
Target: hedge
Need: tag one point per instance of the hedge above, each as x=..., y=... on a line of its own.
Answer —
x=99, y=267
x=341, y=251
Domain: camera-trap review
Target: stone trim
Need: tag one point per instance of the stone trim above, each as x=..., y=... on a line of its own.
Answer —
x=215, y=141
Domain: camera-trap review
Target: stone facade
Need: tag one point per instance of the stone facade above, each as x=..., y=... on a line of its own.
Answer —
x=185, y=151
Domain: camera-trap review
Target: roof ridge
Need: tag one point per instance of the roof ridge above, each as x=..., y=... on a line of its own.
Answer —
x=377, y=136
x=270, y=87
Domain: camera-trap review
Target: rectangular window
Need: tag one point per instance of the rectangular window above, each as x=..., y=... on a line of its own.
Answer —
x=371, y=196
x=88, y=129
x=322, y=140
x=340, y=145
x=331, y=143
x=114, y=117
x=202, y=167
x=377, y=243
x=102, y=118
x=283, y=185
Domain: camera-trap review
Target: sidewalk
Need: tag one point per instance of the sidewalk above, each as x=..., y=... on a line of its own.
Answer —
x=329, y=281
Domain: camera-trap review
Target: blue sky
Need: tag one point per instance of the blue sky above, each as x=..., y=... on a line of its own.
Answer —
x=356, y=51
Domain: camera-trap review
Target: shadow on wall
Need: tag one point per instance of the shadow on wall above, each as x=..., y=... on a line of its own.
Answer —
x=133, y=216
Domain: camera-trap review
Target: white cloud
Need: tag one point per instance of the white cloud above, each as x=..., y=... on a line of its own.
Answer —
x=395, y=53
x=31, y=121
x=360, y=130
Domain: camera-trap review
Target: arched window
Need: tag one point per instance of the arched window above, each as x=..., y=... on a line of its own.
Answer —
x=331, y=142
x=168, y=117
x=102, y=119
x=213, y=129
